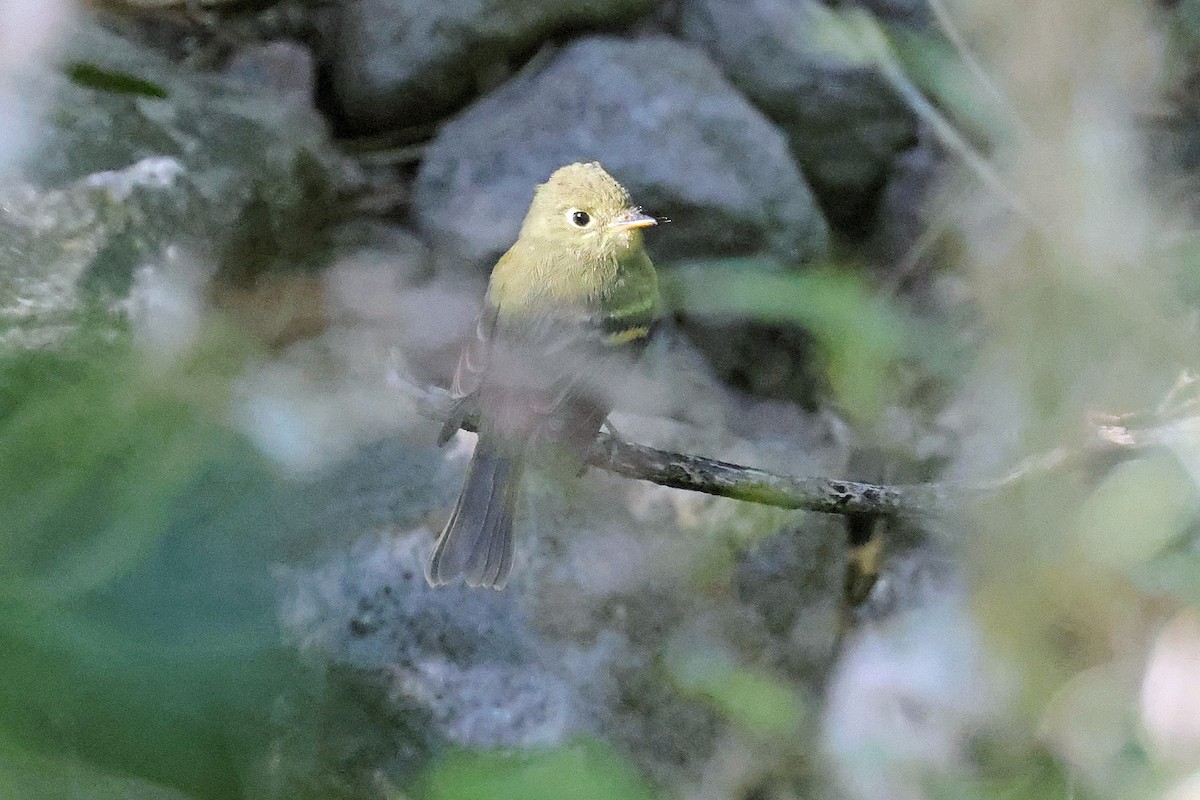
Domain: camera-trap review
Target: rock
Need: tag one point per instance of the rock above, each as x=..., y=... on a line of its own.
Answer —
x=137, y=157
x=403, y=62
x=660, y=117
x=54, y=238
x=609, y=575
x=908, y=207
x=534, y=666
x=765, y=360
x=788, y=582
x=469, y=659
x=801, y=64
x=288, y=68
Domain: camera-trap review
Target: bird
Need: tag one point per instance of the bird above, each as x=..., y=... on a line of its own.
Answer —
x=568, y=308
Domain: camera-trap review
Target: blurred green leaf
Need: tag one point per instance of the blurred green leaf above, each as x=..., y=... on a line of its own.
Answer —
x=836, y=34
x=1179, y=258
x=1137, y=509
x=760, y=703
x=1175, y=574
x=934, y=67
x=583, y=770
x=28, y=775
x=137, y=609
x=1036, y=775
x=862, y=335
x=93, y=76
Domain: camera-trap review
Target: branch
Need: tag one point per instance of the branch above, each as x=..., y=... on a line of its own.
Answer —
x=1106, y=434
x=720, y=478
x=700, y=474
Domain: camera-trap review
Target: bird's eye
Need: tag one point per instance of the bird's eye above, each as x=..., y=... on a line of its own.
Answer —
x=579, y=219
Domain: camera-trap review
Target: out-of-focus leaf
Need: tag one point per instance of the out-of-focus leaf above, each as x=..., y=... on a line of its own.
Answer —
x=137, y=609
x=1029, y=776
x=861, y=335
x=93, y=76
x=760, y=703
x=1175, y=574
x=1139, y=507
x=28, y=775
x=1182, y=437
x=583, y=770
x=1180, y=259
x=932, y=64
x=836, y=35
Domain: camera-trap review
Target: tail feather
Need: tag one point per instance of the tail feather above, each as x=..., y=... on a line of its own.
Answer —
x=492, y=557
x=476, y=543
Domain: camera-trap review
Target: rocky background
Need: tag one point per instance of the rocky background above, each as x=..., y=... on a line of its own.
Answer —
x=909, y=241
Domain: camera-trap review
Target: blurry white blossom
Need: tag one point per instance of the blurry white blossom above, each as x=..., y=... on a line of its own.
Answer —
x=1170, y=696
x=907, y=694
x=167, y=303
x=1187, y=789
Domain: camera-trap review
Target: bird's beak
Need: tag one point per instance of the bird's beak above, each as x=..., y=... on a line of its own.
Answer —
x=632, y=219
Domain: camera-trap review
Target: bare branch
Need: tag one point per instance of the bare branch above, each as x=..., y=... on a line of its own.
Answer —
x=699, y=474
x=1105, y=434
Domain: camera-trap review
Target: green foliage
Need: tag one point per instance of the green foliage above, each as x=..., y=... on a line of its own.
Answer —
x=1139, y=508
x=24, y=774
x=760, y=703
x=583, y=770
x=835, y=34
x=137, y=617
x=862, y=336
x=931, y=63
x=92, y=76
x=1029, y=776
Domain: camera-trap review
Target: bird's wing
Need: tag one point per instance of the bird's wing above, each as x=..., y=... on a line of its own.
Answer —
x=582, y=357
x=550, y=371
x=470, y=371
x=473, y=360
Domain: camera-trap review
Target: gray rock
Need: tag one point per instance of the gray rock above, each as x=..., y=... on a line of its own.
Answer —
x=908, y=207
x=408, y=61
x=659, y=116
x=468, y=658
x=121, y=176
x=802, y=65
x=288, y=68
x=50, y=239
x=788, y=581
x=609, y=575
x=524, y=667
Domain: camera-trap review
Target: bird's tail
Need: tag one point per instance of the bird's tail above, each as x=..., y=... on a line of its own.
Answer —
x=476, y=543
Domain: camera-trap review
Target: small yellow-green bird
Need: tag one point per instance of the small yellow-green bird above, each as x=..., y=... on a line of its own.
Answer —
x=568, y=307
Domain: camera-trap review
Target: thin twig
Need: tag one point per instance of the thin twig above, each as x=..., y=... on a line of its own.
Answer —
x=942, y=129
x=982, y=79
x=723, y=479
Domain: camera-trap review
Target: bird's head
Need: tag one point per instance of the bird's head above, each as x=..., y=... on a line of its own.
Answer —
x=582, y=207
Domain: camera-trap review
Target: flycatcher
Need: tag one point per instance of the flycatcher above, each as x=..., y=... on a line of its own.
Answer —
x=568, y=308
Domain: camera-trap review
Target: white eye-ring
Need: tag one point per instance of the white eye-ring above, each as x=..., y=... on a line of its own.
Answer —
x=580, y=219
